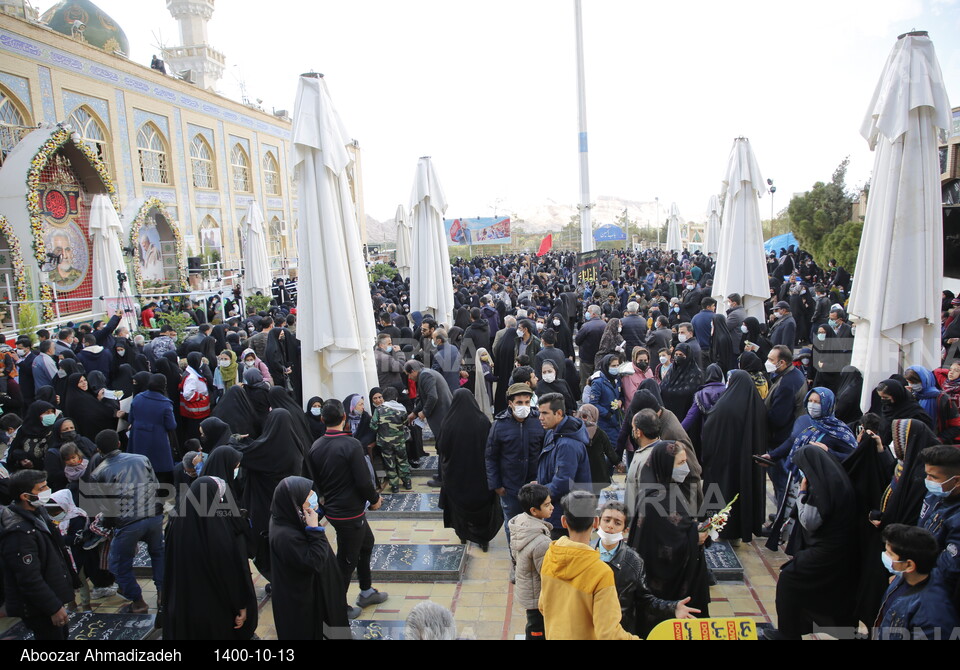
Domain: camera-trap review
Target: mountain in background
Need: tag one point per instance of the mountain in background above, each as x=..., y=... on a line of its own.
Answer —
x=550, y=216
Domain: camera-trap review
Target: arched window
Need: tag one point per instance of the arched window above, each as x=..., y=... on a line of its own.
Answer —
x=211, y=240
x=93, y=134
x=241, y=169
x=204, y=170
x=275, y=241
x=152, y=150
x=271, y=174
x=13, y=123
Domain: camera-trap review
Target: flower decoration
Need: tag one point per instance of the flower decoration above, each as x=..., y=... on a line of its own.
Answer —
x=16, y=259
x=58, y=138
x=135, y=226
x=715, y=524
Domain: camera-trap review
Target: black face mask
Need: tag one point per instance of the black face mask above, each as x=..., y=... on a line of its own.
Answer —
x=68, y=436
x=643, y=365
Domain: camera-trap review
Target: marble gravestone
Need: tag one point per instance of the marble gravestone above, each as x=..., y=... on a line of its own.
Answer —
x=377, y=630
x=428, y=467
x=142, y=565
x=87, y=626
x=613, y=493
x=723, y=562
x=418, y=562
x=409, y=506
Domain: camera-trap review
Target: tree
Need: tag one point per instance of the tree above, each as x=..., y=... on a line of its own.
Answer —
x=844, y=245
x=820, y=211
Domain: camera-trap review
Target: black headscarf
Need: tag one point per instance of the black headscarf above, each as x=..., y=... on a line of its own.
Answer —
x=67, y=366
x=257, y=392
x=221, y=462
x=208, y=577
x=664, y=532
x=216, y=433
x=171, y=371
x=904, y=406
x=56, y=439
x=848, y=395
x=904, y=496
x=277, y=354
x=237, y=412
x=32, y=438
x=469, y=506
x=681, y=382
x=755, y=335
x=734, y=431
x=89, y=414
x=750, y=362
x=141, y=381
x=503, y=358
x=722, y=350
x=317, y=428
x=280, y=398
x=123, y=380
x=47, y=394
x=307, y=586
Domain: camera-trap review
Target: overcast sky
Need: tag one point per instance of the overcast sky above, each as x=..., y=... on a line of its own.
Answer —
x=489, y=88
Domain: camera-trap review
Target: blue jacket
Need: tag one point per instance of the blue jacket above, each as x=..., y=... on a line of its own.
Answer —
x=921, y=612
x=785, y=403
x=446, y=361
x=602, y=393
x=151, y=417
x=941, y=516
x=97, y=358
x=512, y=451
x=563, y=463
x=701, y=328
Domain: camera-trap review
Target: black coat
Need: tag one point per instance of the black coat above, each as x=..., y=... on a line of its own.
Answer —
x=36, y=573
x=307, y=589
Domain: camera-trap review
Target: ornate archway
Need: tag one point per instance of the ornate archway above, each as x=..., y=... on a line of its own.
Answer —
x=158, y=257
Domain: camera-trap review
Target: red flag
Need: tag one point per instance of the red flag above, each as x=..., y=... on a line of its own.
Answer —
x=546, y=245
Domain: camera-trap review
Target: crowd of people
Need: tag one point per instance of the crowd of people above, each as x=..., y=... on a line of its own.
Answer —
x=546, y=384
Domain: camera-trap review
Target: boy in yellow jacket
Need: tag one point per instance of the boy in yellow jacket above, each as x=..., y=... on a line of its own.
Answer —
x=578, y=595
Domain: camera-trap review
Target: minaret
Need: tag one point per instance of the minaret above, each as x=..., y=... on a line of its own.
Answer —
x=195, y=55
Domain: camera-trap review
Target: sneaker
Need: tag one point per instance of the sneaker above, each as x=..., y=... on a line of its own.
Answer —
x=353, y=612
x=394, y=488
x=103, y=592
x=435, y=483
x=407, y=485
x=374, y=598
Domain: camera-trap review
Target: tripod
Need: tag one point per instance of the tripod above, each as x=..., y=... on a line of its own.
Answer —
x=126, y=300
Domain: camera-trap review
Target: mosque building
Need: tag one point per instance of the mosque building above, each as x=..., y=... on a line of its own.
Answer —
x=180, y=163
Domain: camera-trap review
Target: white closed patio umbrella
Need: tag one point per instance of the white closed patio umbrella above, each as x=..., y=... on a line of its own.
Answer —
x=741, y=265
x=335, y=313
x=404, y=242
x=673, y=230
x=106, y=231
x=711, y=242
x=256, y=265
x=431, y=283
x=895, y=300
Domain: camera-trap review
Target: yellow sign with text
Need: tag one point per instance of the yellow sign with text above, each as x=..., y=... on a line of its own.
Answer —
x=705, y=629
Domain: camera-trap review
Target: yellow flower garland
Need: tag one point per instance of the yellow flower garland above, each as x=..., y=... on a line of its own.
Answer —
x=137, y=224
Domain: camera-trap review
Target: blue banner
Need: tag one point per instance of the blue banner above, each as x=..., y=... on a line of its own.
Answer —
x=609, y=233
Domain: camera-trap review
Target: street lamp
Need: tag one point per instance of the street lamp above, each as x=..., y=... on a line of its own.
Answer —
x=773, y=190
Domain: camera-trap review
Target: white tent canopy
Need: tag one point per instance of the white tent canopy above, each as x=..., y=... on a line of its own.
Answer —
x=404, y=242
x=431, y=283
x=711, y=243
x=256, y=265
x=898, y=322
x=335, y=313
x=741, y=264
x=106, y=231
x=673, y=230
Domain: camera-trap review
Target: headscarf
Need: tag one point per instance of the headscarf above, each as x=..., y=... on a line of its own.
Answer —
x=904, y=496
x=64, y=500
x=721, y=344
x=47, y=394
x=681, y=382
x=829, y=488
x=252, y=377
x=317, y=428
x=930, y=393
x=848, y=395
x=236, y=410
x=353, y=417
x=123, y=379
x=141, y=382
x=96, y=380
x=221, y=462
x=279, y=450
x=826, y=424
x=904, y=406
x=750, y=362
x=280, y=398
x=590, y=415
x=604, y=368
x=216, y=433
x=195, y=362
x=228, y=374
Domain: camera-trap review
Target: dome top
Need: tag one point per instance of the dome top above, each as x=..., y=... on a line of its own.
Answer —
x=97, y=28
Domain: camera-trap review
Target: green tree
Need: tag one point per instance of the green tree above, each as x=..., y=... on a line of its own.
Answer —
x=843, y=244
x=819, y=211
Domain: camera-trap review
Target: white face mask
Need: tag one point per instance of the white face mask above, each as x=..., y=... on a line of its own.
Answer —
x=682, y=337
x=664, y=360
x=224, y=363
x=771, y=367
x=821, y=336
x=520, y=333
x=744, y=330
x=249, y=364
x=121, y=352
x=549, y=377
x=814, y=410
x=521, y=411
x=609, y=538
x=316, y=410
x=556, y=322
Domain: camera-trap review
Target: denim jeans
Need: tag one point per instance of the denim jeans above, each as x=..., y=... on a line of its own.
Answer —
x=124, y=547
x=511, y=508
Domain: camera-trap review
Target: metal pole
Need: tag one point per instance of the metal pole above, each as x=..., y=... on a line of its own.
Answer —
x=13, y=312
x=586, y=230
x=658, y=222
